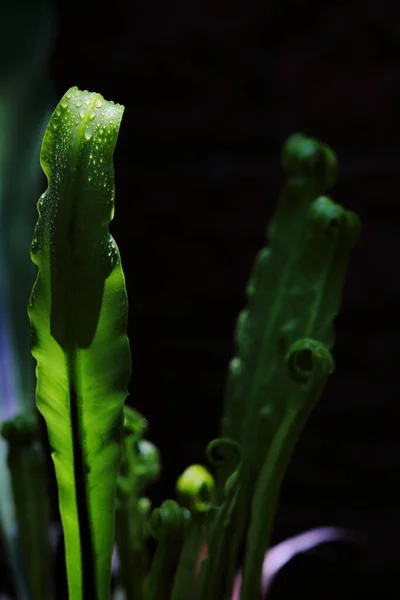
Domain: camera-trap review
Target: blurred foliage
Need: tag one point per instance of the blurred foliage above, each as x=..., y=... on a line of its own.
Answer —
x=25, y=100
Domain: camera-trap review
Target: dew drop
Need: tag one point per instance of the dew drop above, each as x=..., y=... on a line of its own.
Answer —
x=78, y=103
x=99, y=103
x=88, y=132
x=82, y=113
x=112, y=253
x=92, y=115
x=35, y=246
x=235, y=366
x=64, y=103
x=68, y=95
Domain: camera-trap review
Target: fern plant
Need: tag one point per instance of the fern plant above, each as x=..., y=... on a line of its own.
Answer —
x=78, y=314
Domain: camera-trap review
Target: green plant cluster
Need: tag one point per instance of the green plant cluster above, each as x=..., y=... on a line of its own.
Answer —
x=78, y=313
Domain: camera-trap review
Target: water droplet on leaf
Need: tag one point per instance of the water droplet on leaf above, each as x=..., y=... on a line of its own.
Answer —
x=35, y=246
x=88, y=133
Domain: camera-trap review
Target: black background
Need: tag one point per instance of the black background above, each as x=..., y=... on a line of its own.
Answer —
x=212, y=88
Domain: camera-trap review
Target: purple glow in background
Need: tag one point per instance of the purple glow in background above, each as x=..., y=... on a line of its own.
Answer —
x=8, y=389
x=275, y=559
x=278, y=556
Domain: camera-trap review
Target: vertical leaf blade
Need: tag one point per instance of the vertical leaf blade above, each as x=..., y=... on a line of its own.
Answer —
x=311, y=168
x=294, y=293
x=78, y=313
x=266, y=490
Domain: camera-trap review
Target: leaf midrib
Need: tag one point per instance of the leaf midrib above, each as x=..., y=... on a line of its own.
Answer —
x=87, y=554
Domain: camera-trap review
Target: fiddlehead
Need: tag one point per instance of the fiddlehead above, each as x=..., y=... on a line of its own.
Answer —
x=307, y=356
x=196, y=489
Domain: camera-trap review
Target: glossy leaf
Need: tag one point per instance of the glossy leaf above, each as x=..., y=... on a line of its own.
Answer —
x=78, y=314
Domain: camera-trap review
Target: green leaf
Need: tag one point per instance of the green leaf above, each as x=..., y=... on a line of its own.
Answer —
x=305, y=302
x=309, y=364
x=311, y=169
x=78, y=312
x=294, y=292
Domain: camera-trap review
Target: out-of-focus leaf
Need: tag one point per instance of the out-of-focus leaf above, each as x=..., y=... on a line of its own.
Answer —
x=309, y=364
x=293, y=296
x=168, y=525
x=27, y=464
x=140, y=466
x=25, y=35
x=195, y=490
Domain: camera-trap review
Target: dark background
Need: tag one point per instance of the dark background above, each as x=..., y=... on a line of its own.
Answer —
x=212, y=89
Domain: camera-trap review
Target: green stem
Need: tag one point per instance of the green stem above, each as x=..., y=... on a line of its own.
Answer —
x=27, y=465
x=184, y=578
x=131, y=537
